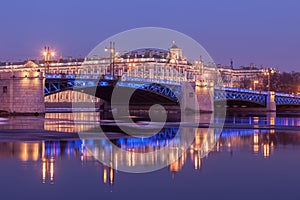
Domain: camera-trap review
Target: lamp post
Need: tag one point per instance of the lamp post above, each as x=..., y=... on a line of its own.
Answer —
x=254, y=84
x=268, y=73
x=48, y=55
x=112, y=51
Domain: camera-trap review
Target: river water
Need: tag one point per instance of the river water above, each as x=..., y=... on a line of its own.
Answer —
x=254, y=157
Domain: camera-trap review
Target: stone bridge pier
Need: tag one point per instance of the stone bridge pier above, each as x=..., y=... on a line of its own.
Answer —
x=196, y=97
x=270, y=103
x=22, y=92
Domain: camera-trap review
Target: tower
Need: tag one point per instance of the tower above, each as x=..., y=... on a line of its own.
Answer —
x=176, y=52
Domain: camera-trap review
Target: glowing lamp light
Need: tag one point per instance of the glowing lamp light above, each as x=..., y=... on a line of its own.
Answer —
x=48, y=54
x=105, y=176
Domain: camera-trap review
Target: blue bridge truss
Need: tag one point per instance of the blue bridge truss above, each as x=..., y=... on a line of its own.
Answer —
x=286, y=99
x=58, y=83
x=237, y=94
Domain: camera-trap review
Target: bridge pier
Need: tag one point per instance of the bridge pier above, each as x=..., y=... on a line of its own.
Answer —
x=22, y=92
x=270, y=103
x=197, y=98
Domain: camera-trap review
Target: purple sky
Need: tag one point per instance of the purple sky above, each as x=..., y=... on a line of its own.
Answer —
x=265, y=32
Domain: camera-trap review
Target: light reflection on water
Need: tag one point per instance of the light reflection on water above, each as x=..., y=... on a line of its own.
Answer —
x=82, y=121
x=47, y=152
x=49, y=158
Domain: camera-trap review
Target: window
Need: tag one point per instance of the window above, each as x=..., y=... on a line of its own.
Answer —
x=4, y=89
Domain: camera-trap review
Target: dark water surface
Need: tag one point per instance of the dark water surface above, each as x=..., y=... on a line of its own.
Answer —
x=256, y=163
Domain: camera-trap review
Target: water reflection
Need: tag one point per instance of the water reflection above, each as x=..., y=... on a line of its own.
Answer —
x=71, y=122
x=83, y=121
x=271, y=118
x=259, y=142
x=47, y=152
x=248, y=156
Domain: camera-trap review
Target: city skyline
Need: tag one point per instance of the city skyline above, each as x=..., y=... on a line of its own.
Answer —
x=264, y=33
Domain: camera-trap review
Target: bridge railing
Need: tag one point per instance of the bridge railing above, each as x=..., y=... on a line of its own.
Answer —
x=76, y=76
x=287, y=95
x=149, y=80
x=256, y=92
x=110, y=77
x=61, y=76
x=243, y=90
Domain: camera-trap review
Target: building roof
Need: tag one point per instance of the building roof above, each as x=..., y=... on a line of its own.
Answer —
x=147, y=53
x=31, y=62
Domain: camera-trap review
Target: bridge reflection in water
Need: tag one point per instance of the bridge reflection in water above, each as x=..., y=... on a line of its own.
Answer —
x=47, y=153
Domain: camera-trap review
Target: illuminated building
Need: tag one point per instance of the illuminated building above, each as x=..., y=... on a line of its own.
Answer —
x=243, y=77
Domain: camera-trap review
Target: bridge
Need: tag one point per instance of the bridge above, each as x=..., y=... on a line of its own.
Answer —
x=24, y=92
x=166, y=92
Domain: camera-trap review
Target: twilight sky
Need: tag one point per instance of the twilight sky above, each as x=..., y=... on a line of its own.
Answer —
x=264, y=32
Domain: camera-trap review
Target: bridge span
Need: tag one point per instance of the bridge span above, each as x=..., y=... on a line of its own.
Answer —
x=149, y=91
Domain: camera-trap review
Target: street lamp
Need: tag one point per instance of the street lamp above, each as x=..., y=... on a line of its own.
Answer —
x=268, y=73
x=254, y=84
x=48, y=55
x=112, y=51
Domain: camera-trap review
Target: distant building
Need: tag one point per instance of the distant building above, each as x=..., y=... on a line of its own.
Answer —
x=68, y=66
x=250, y=77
